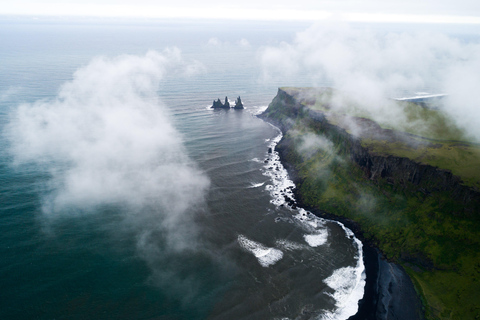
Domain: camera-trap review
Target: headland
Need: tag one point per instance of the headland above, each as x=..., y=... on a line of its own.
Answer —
x=410, y=193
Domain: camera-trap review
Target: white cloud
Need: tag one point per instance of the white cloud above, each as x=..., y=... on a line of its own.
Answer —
x=244, y=43
x=372, y=67
x=214, y=42
x=107, y=140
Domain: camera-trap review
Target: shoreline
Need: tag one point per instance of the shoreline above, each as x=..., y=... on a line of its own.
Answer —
x=389, y=292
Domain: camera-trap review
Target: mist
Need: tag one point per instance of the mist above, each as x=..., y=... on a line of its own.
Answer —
x=107, y=141
x=373, y=66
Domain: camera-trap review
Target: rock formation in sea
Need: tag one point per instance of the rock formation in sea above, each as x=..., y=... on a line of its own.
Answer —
x=218, y=104
x=238, y=103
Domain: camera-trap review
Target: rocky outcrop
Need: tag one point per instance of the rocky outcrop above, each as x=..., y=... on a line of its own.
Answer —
x=226, y=105
x=238, y=103
x=219, y=105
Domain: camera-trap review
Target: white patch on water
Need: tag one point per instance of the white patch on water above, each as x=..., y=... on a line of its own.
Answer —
x=256, y=110
x=256, y=185
x=316, y=240
x=266, y=256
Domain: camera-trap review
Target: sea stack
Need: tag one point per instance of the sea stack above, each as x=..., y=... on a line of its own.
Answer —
x=218, y=104
x=238, y=103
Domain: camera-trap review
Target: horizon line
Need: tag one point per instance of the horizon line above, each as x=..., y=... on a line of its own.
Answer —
x=260, y=16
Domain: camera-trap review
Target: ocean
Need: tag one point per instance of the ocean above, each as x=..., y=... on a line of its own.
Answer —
x=125, y=196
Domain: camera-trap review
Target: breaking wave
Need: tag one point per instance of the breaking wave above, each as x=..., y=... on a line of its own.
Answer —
x=266, y=256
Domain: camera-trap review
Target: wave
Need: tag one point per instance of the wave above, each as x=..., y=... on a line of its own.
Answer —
x=257, y=160
x=266, y=256
x=315, y=240
x=256, y=110
x=256, y=185
x=348, y=283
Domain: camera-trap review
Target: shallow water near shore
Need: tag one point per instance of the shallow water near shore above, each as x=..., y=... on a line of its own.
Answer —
x=235, y=251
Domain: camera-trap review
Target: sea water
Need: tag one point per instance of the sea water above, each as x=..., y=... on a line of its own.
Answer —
x=213, y=240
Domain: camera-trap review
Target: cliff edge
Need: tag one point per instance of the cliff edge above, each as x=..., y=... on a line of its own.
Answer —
x=410, y=187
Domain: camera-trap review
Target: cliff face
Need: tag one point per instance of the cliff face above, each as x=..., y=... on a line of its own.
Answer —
x=419, y=215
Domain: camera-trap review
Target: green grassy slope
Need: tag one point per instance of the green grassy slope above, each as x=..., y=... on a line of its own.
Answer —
x=427, y=233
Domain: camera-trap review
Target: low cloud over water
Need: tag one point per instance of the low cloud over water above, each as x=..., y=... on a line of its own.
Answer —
x=107, y=140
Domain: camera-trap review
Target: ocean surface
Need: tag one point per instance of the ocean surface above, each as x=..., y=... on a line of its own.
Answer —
x=132, y=199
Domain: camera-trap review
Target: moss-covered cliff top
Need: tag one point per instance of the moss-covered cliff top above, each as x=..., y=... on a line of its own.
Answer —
x=403, y=129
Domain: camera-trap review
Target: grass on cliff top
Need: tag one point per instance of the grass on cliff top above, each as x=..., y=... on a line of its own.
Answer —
x=437, y=140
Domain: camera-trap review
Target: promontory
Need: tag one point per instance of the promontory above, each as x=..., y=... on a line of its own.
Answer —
x=408, y=179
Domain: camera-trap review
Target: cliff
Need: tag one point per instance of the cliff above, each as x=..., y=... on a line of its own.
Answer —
x=414, y=196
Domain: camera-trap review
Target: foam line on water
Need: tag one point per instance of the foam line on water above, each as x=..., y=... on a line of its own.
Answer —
x=256, y=185
x=349, y=285
x=281, y=187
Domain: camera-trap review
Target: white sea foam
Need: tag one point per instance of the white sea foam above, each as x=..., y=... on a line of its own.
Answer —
x=266, y=256
x=281, y=187
x=256, y=110
x=256, y=185
x=348, y=283
x=310, y=222
x=317, y=239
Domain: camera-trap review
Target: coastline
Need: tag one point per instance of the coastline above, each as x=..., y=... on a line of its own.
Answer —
x=389, y=292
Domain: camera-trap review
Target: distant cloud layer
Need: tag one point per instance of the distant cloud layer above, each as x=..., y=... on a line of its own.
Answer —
x=464, y=11
x=374, y=66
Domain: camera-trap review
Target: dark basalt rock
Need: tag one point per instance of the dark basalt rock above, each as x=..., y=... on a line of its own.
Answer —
x=219, y=105
x=238, y=104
